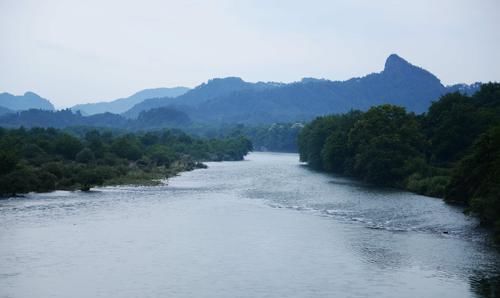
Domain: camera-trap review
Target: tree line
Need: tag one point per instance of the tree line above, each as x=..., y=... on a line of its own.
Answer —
x=276, y=137
x=40, y=159
x=280, y=137
x=451, y=151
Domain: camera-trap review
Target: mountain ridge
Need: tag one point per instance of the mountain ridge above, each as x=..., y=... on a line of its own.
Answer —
x=400, y=83
x=233, y=100
x=29, y=100
x=120, y=105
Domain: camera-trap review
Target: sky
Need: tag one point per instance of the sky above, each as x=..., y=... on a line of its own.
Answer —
x=73, y=52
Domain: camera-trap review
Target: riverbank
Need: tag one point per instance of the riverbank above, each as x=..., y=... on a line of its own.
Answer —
x=43, y=160
x=155, y=176
x=451, y=151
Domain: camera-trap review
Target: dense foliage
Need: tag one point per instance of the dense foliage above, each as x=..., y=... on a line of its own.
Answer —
x=276, y=137
x=280, y=137
x=452, y=151
x=48, y=159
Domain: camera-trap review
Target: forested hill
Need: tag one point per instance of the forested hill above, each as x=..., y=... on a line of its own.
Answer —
x=452, y=151
x=212, y=89
x=232, y=100
x=164, y=117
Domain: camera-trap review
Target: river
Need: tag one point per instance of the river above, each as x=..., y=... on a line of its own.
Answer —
x=264, y=227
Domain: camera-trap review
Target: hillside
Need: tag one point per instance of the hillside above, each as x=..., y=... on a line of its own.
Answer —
x=28, y=100
x=121, y=105
x=212, y=89
x=4, y=111
x=148, y=120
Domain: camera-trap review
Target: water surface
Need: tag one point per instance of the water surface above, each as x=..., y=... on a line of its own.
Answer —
x=264, y=227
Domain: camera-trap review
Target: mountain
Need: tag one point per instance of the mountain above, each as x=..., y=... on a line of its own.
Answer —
x=4, y=111
x=60, y=119
x=204, y=92
x=233, y=100
x=121, y=105
x=464, y=88
x=27, y=101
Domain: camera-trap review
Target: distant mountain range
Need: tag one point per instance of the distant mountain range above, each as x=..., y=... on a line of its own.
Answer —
x=27, y=101
x=121, y=105
x=232, y=100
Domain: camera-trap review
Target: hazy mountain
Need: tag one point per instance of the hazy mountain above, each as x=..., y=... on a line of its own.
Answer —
x=206, y=91
x=152, y=119
x=27, y=101
x=60, y=119
x=121, y=105
x=4, y=111
x=233, y=100
x=464, y=88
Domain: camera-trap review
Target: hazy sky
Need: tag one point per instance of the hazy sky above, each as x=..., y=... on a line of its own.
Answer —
x=90, y=50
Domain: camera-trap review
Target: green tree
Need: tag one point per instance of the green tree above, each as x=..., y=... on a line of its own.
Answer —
x=127, y=147
x=384, y=140
x=85, y=156
x=68, y=146
x=89, y=177
x=476, y=179
x=8, y=161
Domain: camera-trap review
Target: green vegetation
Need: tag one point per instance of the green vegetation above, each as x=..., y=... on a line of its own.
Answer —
x=452, y=151
x=48, y=159
x=276, y=137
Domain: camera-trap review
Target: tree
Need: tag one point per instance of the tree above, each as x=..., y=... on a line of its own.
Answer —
x=8, y=161
x=85, y=156
x=89, y=177
x=161, y=155
x=127, y=147
x=383, y=141
x=476, y=180
x=68, y=146
x=451, y=125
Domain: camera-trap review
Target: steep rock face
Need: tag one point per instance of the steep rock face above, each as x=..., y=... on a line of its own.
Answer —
x=27, y=101
x=400, y=83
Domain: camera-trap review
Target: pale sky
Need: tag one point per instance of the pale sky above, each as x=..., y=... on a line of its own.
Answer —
x=91, y=50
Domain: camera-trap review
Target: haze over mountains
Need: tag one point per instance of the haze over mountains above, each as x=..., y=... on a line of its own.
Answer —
x=232, y=100
x=27, y=101
x=121, y=105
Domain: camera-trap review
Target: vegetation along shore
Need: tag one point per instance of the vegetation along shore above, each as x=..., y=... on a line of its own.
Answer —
x=43, y=160
x=452, y=151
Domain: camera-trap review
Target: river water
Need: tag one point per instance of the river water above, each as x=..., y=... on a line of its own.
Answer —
x=263, y=227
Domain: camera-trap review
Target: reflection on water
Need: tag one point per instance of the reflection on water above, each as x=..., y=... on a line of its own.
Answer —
x=265, y=227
